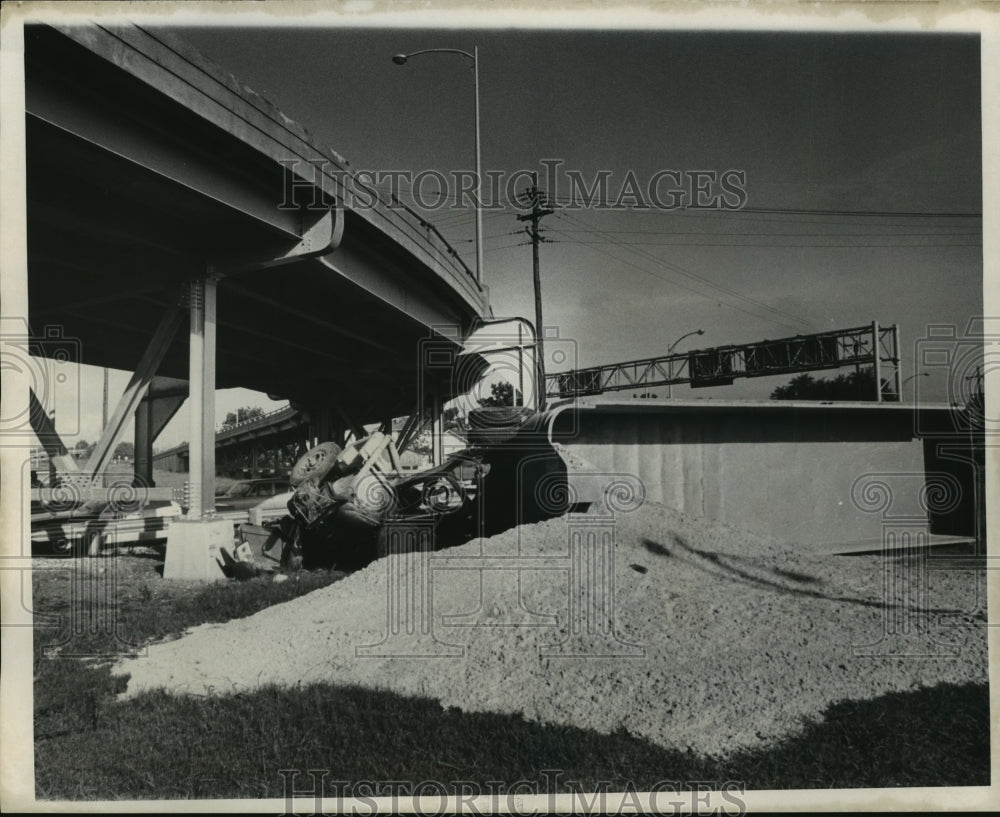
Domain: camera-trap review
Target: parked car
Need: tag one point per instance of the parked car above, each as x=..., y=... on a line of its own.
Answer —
x=271, y=509
x=248, y=493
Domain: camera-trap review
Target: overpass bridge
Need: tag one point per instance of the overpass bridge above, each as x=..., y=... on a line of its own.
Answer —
x=250, y=445
x=180, y=227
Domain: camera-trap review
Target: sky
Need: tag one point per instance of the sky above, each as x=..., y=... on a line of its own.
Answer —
x=859, y=155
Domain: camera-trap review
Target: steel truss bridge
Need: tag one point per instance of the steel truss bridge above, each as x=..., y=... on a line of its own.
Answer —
x=869, y=345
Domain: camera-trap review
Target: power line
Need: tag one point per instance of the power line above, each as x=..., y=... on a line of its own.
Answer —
x=663, y=233
x=687, y=273
x=858, y=213
x=606, y=206
x=805, y=219
x=573, y=203
x=813, y=245
x=599, y=247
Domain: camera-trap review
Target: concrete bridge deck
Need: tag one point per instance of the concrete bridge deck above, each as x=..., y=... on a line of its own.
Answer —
x=148, y=166
x=180, y=227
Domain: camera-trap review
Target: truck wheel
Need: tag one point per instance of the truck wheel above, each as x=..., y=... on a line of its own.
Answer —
x=314, y=464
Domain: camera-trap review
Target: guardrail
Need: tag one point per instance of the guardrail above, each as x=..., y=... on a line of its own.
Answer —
x=261, y=419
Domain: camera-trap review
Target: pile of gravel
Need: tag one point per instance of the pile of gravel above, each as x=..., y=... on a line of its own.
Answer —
x=716, y=640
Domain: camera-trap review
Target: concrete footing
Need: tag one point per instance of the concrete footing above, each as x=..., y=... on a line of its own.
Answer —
x=193, y=549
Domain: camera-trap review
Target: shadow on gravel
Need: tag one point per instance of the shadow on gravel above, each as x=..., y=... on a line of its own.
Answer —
x=795, y=576
x=720, y=565
x=244, y=746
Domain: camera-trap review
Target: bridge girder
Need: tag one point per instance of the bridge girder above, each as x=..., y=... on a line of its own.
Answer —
x=147, y=167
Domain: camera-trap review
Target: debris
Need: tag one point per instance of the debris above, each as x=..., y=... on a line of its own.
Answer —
x=345, y=498
x=243, y=553
x=234, y=563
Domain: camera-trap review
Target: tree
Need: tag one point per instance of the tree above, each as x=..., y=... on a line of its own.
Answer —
x=125, y=451
x=242, y=415
x=858, y=385
x=502, y=395
x=421, y=444
x=82, y=450
x=449, y=419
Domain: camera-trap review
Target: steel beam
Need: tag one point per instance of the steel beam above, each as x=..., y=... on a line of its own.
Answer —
x=165, y=397
x=45, y=431
x=201, y=362
x=412, y=428
x=320, y=238
x=135, y=390
x=167, y=387
x=143, y=147
x=350, y=423
x=305, y=316
x=876, y=350
x=87, y=303
x=437, y=428
x=142, y=436
x=802, y=353
x=896, y=362
x=321, y=425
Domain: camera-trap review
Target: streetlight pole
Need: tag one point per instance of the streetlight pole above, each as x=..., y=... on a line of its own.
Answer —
x=401, y=59
x=670, y=350
x=479, y=174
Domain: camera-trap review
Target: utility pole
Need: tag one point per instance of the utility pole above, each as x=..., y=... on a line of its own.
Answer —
x=538, y=212
x=104, y=408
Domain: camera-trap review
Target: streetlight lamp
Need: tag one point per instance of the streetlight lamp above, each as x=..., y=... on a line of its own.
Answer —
x=670, y=349
x=907, y=379
x=401, y=59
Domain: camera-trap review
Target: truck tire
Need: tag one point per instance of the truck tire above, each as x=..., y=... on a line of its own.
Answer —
x=314, y=464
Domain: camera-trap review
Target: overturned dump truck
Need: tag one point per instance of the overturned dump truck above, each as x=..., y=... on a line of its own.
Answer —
x=348, y=501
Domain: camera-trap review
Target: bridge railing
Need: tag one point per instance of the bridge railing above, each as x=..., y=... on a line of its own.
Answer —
x=173, y=67
x=397, y=212
x=223, y=431
x=263, y=419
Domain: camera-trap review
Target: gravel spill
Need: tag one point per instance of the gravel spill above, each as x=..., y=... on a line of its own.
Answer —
x=720, y=641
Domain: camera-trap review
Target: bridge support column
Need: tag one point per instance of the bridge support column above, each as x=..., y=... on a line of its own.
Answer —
x=166, y=395
x=437, y=428
x=202, y=369
x=143, y=438
x=325, y=425
x=45, y=430
x=135, y=391
x=193, y=543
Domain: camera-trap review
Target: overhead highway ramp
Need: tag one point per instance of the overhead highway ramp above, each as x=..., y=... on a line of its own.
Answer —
x=182, y=228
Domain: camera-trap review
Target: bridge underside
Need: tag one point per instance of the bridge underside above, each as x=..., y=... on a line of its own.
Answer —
x=302, y=334
x=131, y=194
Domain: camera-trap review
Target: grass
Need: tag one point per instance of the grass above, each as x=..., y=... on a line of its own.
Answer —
x=90, y=746
x=128, y=591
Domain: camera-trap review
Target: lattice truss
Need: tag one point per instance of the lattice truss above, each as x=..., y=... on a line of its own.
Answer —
x=869, y=345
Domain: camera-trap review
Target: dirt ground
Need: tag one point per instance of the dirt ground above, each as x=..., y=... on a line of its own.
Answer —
x=688, y=633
